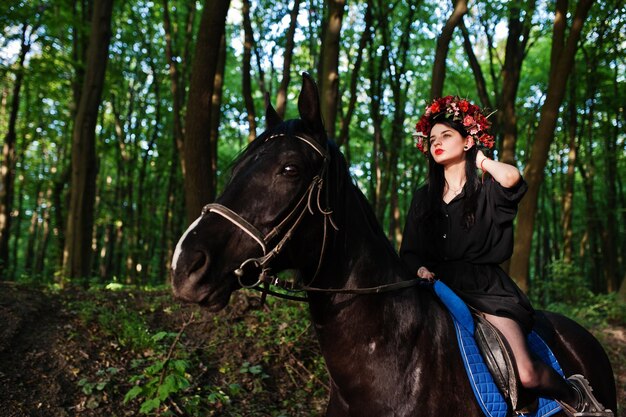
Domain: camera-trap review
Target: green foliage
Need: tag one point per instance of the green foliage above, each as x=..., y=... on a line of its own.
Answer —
x=163, y=380
x=95, y=389
x=565, y=290
x=140, y=203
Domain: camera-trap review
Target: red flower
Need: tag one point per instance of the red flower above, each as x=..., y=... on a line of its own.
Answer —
x=464, y=106
x=468, y=121
x=435, y=107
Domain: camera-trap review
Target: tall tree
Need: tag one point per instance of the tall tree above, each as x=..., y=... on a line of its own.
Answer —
x=443, y=46
x=177, y=85
x=246, y=82
x=77, y=251
x=346, y=118
x=7, y=169
x=563, y=52
x=281, y=95
x=328, y=71
x=568, y=194
x=197, y=147
x=516, y=48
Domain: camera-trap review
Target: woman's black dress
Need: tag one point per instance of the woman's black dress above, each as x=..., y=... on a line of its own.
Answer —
x=468, y=260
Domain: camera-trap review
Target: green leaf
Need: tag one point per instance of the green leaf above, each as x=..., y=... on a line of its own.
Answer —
x=153, y=369
x=159, y=336
x=133, y=393
x=180, y=365
x=149, y=405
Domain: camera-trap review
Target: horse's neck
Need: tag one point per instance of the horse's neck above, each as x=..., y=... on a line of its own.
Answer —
x=361, y=258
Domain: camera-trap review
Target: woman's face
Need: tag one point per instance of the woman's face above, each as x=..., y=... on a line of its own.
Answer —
x=447, y=144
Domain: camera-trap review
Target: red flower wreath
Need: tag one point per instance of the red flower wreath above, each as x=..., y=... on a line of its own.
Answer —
x=459, y=110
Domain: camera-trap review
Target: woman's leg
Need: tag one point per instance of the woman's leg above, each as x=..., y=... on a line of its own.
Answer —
x=534, y=375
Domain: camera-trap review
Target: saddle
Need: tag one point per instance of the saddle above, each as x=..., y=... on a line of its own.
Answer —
x=501, y=364
x=492, y=370
x=489, y=363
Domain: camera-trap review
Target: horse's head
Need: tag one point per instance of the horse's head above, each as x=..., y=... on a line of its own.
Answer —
x=275, y=188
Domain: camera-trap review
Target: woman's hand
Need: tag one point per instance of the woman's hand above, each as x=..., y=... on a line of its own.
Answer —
x=506, y=175
x=424, y=273
x=480, y=157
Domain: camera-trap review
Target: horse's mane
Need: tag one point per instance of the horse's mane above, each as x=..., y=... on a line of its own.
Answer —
x=341, y=186
x=345, y=185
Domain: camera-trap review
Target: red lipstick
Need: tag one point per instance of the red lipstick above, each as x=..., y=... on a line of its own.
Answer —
x=438, y=151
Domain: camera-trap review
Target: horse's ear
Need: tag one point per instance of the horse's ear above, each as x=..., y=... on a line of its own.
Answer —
x=309, y=103
x=272, y=119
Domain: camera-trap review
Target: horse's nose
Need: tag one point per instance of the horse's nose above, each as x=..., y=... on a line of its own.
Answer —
x=186, y=280
x=198, y=263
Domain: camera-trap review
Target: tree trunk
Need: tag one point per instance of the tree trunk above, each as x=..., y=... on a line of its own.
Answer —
x=593, y=228
x=443, y=45
x=77, y=252
x=176, y=85
x=281, y=95
x=479, y=77
x=328, y=73
x=45, y=237
x=246, y=83
x=399, y=88
x=216, y=103
x=366, y=38
x=7, y=169
x=33, y=231
x=376, y=69
x=560, y=69
x=568, y=194
x=197, y=148
x=519, y=30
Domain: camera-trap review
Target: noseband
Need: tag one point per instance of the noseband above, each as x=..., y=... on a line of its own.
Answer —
x=309, y=201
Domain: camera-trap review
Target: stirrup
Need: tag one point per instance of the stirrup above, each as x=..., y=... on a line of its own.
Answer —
x=588, y=405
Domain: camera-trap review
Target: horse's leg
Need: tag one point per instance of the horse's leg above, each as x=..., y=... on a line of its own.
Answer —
x=579, y=352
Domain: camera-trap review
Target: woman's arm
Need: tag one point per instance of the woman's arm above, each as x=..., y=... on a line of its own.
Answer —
x=506, y=175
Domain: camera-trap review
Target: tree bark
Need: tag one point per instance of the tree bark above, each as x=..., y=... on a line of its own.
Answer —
x=479, y=77
x=328, y=73
x=366, y=38
x=562, y=63
x=216, y=102
x=519, y=31
x=197, y=148
x=176, y=86
x=7, y=168
x=568, y=194
x=246, y=82
x=281, y=95
x=443, y=46
x=77, y=252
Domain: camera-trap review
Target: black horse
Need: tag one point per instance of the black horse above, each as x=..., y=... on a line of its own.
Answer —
x=391, y=353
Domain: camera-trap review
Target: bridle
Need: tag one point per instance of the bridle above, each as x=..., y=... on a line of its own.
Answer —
x=310, y=200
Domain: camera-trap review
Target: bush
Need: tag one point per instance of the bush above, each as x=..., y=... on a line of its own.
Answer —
x=565, y=290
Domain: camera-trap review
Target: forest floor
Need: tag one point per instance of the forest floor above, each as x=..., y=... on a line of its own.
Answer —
x=80, y=353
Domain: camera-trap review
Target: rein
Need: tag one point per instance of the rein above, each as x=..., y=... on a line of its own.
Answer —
x=311, y=196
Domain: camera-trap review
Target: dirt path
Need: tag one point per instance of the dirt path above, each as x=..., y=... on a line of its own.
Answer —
x=33, y=376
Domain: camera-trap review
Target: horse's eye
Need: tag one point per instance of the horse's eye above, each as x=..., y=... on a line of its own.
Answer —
x=290, y=170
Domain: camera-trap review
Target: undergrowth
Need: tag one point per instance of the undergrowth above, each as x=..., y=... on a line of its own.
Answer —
x=565, y=290
x=174, y=361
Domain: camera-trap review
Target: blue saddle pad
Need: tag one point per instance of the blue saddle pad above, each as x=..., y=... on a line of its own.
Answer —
x=487, y=393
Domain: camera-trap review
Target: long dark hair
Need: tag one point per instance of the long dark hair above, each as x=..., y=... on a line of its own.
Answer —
x=437, y=181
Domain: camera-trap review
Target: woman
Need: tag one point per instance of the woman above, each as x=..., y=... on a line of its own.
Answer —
x=460, y=228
